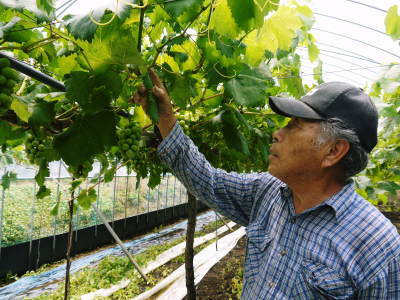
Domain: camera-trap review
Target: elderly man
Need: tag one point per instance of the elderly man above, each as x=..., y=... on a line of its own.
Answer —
x=310, y=236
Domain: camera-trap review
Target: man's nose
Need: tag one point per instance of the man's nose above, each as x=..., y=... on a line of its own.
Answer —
x=277, y=136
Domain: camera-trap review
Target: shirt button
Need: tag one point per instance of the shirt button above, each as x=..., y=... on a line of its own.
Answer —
x=271, y=284
x=284, y=252
x=286, y=193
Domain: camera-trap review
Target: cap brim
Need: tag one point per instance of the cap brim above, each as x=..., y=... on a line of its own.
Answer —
x=293, y=108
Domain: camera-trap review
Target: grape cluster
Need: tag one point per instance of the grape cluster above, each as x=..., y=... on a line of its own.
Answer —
x=81, y=171
x=129, y=137
x=35, y=148
x=8, y=79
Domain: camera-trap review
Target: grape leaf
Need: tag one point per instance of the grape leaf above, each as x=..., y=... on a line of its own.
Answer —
x=222, y=20
x=42, y=173
x=75, y=183
x=113, y=44
x=43, y=113
x=82, y=27
x=233, y=138
x=182, y=90
x=21, y=34
x=87, y=136
x=318, y=73
x=248, y=88
x=177, y=8
x=7, y=178
x=86, y=198
x=5, y=28
x=293, y=83
x=5, y=130
x=54, y=209
x=166, y=59
x=47, y=6
x=43, y=192
x=243, y=12
x=65, y=64
x=263, y=7
x=93, y=92
x=192, y=53
x=109, y=174
x=313, y=50
x=392, y=22
x=154, y=179
x=391, y=187
x=277, y=33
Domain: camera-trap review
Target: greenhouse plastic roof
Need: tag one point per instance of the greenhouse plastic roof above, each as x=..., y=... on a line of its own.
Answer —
x=350, y=35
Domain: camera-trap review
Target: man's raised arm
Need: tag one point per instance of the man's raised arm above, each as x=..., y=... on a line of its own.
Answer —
x=232, y=194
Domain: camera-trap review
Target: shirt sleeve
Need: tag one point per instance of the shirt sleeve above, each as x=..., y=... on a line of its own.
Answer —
x=386, y=285
x=232, y=194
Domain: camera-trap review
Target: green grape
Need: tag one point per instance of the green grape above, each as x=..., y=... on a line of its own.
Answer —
x=130, y=149
x=83, y=170
x=8, y=79
x=4, y=62
x=5, y=102
x=11, y=83
x=5, y=90
x=3, y=80
x=35, y=149
x=8, y=72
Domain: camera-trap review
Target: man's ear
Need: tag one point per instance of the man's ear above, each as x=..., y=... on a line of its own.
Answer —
x=335, y=152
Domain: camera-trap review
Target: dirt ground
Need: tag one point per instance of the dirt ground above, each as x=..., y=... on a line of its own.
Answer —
x=221, y=282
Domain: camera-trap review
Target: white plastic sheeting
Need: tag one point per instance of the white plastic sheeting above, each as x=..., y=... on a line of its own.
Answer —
x=161, y=259
x=174, y=287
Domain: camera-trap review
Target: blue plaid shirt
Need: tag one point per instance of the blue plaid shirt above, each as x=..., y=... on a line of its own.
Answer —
x=343, y=248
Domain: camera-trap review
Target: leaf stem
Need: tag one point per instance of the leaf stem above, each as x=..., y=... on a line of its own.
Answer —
x=72, y=109
x=31, y=46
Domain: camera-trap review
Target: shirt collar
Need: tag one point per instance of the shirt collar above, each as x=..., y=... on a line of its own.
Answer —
x=342, y=199
x=339, y=202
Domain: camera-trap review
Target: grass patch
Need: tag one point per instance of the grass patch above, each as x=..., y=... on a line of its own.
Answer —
x=112, y=270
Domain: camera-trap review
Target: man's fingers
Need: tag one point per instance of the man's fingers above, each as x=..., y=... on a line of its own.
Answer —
x=154, y=77
x=137, y=98
x=142, y=90
x=159, y=92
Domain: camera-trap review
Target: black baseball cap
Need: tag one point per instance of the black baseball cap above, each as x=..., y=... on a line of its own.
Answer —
x=339, y=100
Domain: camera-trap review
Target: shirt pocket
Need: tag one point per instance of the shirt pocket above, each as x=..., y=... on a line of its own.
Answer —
x=258, y=238
x=258, y=241
x=325, y=283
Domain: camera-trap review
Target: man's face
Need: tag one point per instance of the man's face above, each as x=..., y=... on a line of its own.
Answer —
x=293, y=152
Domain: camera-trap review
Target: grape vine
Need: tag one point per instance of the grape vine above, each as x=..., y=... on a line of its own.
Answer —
x=218, y=60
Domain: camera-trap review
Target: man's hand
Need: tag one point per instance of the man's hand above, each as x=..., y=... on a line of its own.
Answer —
x=167, y=118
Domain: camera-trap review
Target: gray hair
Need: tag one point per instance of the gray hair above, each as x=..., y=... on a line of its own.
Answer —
x=356, y=159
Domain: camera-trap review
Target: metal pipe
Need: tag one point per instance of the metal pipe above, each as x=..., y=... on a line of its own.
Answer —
x=31, y=72
x=119, y=242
